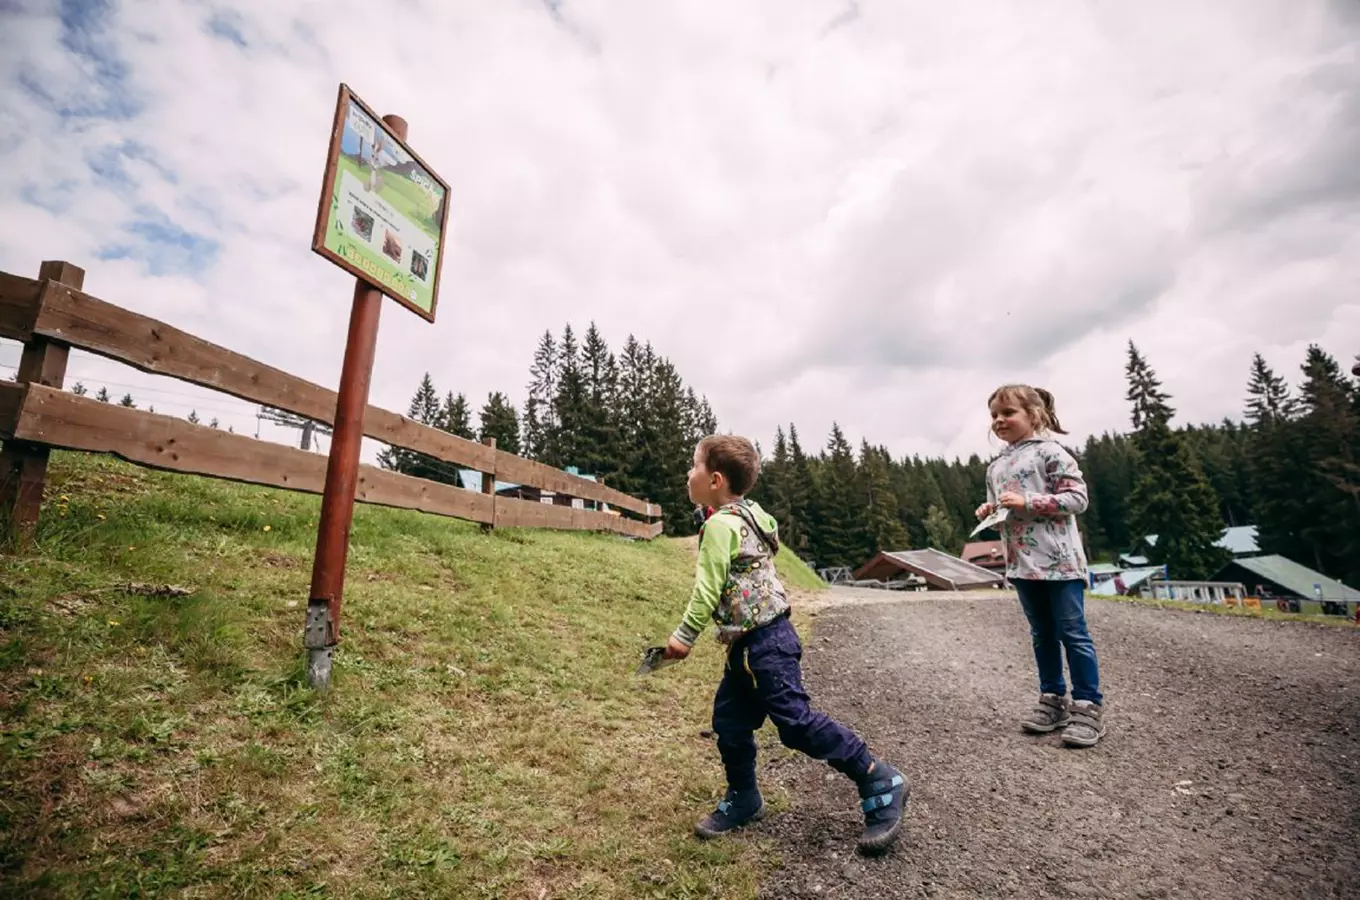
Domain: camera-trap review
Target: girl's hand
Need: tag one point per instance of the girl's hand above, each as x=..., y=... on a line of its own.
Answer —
x=1012, y=500
x=984, y=510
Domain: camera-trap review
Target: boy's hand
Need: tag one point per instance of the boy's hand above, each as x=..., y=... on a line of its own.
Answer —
x=984, y=510
x=675, y=649
x=1012, y=500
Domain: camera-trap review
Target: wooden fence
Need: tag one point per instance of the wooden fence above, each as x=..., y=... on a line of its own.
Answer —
x=51, y=314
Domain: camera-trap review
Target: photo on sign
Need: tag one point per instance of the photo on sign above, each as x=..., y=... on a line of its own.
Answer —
x=420, y=266
x=383, y=212
x=362, y=223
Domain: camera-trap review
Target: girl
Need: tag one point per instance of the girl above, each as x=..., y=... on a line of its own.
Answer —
x=1041, y=485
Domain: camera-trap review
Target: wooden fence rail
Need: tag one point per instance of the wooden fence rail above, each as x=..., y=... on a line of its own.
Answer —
x=51, y=314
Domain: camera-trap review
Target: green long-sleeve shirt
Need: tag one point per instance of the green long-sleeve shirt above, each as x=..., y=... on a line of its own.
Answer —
x=735, y=583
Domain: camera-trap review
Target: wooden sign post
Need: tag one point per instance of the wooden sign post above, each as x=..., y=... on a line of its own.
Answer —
x=382, y=216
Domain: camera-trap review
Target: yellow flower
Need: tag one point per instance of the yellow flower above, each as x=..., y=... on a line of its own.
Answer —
x=268, y=528
x=113, y=623
x=100, y=516
x=65, y=498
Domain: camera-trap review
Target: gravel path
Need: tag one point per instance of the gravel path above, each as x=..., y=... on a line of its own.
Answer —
x=1231, y=770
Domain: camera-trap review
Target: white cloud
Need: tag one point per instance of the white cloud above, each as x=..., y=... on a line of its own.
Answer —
x=868, y=212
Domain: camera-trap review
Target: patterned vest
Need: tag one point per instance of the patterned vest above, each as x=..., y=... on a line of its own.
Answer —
x=753, y=595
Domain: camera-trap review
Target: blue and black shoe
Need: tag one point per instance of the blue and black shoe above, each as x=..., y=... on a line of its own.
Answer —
x=883, y=797
x=738, y=808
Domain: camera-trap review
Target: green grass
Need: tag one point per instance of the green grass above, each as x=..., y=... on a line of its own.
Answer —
x=484, y=736
x=796, y=573
x=1265, y=612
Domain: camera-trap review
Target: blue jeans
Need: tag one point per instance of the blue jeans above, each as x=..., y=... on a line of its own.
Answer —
x=1057, y=621
x=763, y=677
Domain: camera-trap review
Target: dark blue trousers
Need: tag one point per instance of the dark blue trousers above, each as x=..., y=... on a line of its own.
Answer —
x=1057, y=622
x=763, y=678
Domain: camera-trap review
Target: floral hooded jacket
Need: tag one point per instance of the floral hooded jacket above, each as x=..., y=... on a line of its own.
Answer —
x=1042, y=541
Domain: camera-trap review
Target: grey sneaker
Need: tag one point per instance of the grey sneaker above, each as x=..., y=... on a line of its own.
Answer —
x=1087, y=725
x=1049, y=714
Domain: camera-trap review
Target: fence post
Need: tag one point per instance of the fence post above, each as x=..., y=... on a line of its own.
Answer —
x=489, y=483
x=23, y=466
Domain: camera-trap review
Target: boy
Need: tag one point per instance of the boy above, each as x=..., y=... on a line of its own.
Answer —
x=735, y=583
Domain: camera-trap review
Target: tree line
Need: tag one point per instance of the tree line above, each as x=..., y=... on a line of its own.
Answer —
x=1290, y=466
x=627, y=418
x=127, y=402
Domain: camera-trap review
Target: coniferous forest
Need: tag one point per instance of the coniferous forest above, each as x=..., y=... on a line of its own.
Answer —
x=628, y=418
x=1289, y=465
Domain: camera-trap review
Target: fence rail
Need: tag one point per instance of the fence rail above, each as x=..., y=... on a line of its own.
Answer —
x=51, y=314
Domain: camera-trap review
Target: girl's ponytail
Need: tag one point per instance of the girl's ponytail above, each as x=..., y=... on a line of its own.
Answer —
x=1050, y=414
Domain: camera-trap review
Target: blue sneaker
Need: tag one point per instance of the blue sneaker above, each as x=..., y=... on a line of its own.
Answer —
x=883, y=794
x=738, y=808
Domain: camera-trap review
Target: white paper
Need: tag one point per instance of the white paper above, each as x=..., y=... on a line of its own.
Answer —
x=991, y=521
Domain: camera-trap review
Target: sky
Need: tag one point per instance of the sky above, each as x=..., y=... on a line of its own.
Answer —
x=869, y=212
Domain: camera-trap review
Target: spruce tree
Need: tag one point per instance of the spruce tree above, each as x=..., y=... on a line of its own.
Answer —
x=800, y=486
x=1171, y=497
x=630, y=411
x=1268, y=397
x=1329, y=433
x=671, y=445
x=499, y=420
x=839, y=535
x=426, y=410
x=1145, y=393
x=940, y=531
x=600, y=451
x=127, y=402
x=103, y=395
x=1276, y=461
x=772, y=489
x=919, y=491
x=566, y=439
x=883, y=524
x=455, y=417
x=539, y=421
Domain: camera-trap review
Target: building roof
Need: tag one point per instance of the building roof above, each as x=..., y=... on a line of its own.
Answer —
x=1240, y=539
x=1104, y=569
x=990, y=550
x=937, y=567
x=1293, y=576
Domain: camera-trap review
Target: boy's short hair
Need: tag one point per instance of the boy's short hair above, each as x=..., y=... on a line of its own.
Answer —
x=734, y=457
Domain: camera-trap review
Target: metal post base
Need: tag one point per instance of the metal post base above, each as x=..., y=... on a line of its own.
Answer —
x=319, y=669
x=315, y=638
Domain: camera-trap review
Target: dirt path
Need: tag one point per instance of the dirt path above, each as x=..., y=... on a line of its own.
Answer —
x=1231, y=770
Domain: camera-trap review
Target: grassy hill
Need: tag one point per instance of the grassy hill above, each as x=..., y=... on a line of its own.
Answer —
x=485, y=736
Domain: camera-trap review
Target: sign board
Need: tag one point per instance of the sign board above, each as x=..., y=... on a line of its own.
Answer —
x=383, y=212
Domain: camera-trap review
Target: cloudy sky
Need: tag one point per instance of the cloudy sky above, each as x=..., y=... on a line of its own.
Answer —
x=870, y=211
